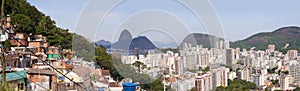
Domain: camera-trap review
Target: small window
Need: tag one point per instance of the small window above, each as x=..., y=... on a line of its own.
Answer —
x=71, y=83
x=21, y=86
x=15, y=63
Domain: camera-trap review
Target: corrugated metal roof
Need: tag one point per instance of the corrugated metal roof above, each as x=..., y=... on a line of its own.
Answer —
x=15, y=76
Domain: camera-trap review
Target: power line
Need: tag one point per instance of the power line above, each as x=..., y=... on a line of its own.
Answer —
x=44, y=61
x=33, y=82
x=3, y=51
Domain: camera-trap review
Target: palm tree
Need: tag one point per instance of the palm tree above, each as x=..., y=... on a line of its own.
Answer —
x=139, y=65
x=45, y=24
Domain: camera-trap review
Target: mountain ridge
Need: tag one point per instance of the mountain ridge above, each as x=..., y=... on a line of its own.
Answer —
x=127, y=44
x=279, y=37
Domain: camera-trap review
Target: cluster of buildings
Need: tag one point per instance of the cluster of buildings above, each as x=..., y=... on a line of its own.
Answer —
x=268, y=69
x=212, y=79
x=181, y=70
x=28, y=59
x=32, y=64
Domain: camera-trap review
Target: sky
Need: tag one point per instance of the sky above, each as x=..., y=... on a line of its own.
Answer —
x=167, y=20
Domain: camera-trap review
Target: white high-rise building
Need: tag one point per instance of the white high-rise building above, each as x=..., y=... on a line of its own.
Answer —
x=204, y=82
x=220, y=77
x=232, y=75
x=264, y=71
x=285, y=81
x=292, y=54
x=294, y=71
x=212, y=79
x=258, y=79
x=194, y=57
x=245, y=74
x=229, y=57
x=249, y=61
x=222, y=44
x=271, y=48
x=226, y=44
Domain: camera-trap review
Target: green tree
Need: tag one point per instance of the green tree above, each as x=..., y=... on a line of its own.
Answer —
x=29, y=20
x=272, y=71
x=297, y=89
x=83, y=48
x=285, y=72
x=139, y=65
x=193, y=89
x=206, y=69
x=238, y=85
x=156, y=85
x=220, y=88
x=24, y=23
x=274, y=82
x=45, y=24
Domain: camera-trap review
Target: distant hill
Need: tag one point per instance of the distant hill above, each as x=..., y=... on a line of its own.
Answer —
x=141, y=42
x=279, y=38
x=165, y=45
x=123, y=42
x=104, y=43
x=127, y=44
x=200, y=39
x=125, y=35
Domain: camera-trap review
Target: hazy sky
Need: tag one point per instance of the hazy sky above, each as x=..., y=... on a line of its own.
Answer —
x=239, y=18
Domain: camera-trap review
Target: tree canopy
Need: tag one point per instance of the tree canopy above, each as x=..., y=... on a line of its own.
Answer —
x=238, y=85
x=30, y=20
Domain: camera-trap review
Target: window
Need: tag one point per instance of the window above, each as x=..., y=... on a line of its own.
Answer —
x=21, y=86
x=15, y=63
x=67, y=84
x=71, y=83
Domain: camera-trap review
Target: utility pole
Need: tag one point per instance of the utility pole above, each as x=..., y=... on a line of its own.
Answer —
x=2, y=45
x=164, y=75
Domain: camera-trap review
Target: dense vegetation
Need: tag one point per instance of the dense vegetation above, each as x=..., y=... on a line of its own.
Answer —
x=297, y=89
x=83, y=48
x=156, y=85
x=279, y=37
x=238, y=85
x=29, y=20
x=273, y=70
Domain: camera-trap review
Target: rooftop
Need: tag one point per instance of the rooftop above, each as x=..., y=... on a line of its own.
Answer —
x=15, y=76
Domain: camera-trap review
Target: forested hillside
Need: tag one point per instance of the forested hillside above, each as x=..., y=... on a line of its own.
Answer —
x=280, y=37
x=30, y=20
